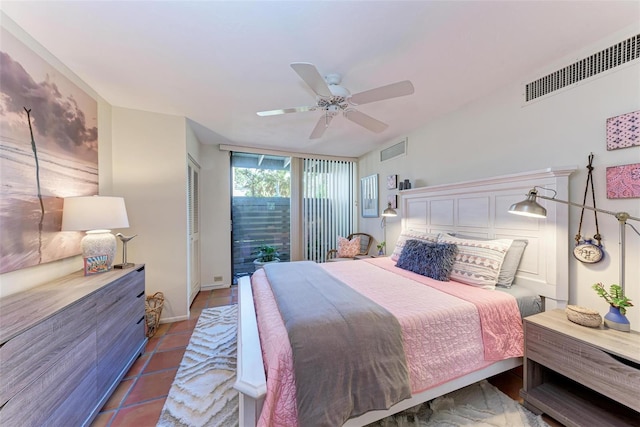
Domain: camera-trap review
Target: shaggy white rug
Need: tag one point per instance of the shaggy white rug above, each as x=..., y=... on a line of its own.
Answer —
x=202, y=393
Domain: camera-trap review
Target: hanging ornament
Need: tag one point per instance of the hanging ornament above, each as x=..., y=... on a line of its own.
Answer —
x=587, y=250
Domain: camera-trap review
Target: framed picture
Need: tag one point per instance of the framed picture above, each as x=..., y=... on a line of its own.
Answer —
x=95, y=264
x=392, y=182
x=623, y=182
x=392, y=200
x=369, y=196
x=623, y=131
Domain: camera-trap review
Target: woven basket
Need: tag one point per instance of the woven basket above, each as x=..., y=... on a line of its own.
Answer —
x=153, y=309
x=583, y=316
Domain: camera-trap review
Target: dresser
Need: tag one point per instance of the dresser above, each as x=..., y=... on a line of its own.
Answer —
x=581, y=376
x=65, y=345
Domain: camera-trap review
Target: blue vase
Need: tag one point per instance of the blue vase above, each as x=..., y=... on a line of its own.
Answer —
x=616, y=320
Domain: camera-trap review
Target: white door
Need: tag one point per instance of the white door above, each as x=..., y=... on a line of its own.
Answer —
x=194, y=228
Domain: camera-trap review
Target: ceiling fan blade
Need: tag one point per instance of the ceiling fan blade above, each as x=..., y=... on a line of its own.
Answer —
x=365, y=121
x=393, y=90
x=309, y=73
x=321, y=126
x=286, y=110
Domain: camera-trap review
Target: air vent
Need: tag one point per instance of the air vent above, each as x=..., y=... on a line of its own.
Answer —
x=614, y=56
x=396, y=150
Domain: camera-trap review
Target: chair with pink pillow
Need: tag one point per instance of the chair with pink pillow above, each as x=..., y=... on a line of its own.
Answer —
x=353, y=246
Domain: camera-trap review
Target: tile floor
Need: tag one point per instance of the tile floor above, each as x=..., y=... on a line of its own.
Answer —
x=140, y=396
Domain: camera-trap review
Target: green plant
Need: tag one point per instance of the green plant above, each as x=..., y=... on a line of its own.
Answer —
x=381, y=245
x=614, y=296
x=267, y=253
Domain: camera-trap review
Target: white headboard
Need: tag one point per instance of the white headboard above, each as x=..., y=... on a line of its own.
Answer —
x=479, y=208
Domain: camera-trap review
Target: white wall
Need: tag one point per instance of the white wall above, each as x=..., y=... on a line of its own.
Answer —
x=150, y=172
x=215, y=176
x=497, y=135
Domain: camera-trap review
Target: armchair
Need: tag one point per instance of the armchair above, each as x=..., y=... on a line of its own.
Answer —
x=366, y=240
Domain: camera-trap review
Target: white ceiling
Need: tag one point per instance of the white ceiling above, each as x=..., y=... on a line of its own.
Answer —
x=219, y=62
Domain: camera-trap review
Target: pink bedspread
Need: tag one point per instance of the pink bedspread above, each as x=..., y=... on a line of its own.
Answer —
x=446, y=334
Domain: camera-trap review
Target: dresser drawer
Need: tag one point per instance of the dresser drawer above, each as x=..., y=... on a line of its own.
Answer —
x=36, y=348
x=56, y=388
x=583, y=362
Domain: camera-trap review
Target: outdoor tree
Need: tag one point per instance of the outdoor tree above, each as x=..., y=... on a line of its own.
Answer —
x=262, y=182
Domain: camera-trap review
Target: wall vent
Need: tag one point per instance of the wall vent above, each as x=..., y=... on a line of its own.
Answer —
x=396, y=150
x=614, y=56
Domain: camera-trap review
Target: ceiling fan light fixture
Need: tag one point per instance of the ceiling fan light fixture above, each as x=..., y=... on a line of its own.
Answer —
x=332, y=98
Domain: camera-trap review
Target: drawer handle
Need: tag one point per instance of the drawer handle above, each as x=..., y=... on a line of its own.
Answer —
x=140, y=269
x=627, y=362
x=141, y=319
x=140, y=294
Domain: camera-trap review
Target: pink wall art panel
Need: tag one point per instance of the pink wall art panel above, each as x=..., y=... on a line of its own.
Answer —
x=623, y=131
x=623, y=182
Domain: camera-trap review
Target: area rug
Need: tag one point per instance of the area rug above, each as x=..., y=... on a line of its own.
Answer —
x=202, y=393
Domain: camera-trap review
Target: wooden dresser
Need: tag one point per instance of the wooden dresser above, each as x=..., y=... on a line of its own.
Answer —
x=65, y=345
x=581, y=376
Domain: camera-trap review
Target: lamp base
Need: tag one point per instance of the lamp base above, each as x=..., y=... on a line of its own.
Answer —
x=124, y=265
x=99, y=242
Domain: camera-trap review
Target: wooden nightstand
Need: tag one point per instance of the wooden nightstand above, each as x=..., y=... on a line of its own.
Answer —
x=581, y=376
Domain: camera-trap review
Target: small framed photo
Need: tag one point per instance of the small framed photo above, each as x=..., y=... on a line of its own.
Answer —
x=392, y=182
x=95, y=264
x=392, y=201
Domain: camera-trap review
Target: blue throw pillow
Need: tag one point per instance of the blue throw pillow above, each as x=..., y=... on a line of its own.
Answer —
x=433, y=260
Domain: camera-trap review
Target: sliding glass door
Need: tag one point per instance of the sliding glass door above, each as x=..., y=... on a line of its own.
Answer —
x=260, y=209
x=296, y=206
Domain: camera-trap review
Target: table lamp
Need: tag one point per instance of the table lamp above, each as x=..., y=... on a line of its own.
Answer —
x=96, y=215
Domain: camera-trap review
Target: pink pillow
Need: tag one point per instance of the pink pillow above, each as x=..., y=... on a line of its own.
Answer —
x=348, y=248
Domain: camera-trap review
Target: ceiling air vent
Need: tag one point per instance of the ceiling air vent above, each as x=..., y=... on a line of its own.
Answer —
x=614, y=56
x=396, y=150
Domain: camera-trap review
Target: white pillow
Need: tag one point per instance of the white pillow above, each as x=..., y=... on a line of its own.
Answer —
x=511, y=260
x=408, y=235
x=477, y=262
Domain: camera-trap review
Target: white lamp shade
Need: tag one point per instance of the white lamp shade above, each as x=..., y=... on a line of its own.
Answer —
x=94, y=213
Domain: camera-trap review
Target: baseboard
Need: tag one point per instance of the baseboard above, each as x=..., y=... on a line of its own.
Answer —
x=173, y=319
x=211, y=287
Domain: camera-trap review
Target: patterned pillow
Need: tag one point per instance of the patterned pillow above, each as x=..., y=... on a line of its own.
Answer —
x=433, y=260
x=511, y=260
x=411, y=234
x=348, y=248
x=478, y=262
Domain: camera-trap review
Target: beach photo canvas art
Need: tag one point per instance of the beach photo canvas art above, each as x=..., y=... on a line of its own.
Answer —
x=48, y=151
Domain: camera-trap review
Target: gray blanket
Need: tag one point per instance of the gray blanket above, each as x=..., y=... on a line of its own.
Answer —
x=348, y=355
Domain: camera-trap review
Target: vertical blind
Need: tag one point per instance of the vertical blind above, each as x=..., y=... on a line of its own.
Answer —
x=328, y=207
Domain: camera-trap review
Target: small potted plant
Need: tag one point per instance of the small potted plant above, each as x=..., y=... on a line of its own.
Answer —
x=618, y=304
x=266, y=254
x=380, y=247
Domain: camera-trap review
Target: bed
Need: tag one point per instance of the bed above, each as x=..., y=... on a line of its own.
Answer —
x=462, y=211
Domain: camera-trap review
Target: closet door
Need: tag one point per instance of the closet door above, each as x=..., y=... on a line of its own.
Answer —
x=194, y=228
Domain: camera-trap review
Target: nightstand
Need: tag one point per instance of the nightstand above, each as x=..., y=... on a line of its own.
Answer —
x=578, y=375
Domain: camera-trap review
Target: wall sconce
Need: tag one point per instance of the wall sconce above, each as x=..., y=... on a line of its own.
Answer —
x=96, y=215
x=531, y=208
x=383, y=224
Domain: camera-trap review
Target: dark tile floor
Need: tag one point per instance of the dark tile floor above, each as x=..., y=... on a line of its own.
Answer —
x=140, y=396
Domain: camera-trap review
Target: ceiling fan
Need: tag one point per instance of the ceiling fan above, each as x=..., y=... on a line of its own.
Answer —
x=331, y=98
